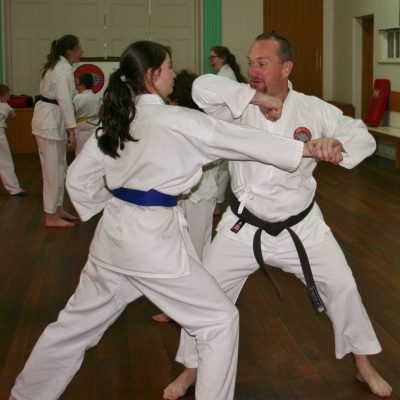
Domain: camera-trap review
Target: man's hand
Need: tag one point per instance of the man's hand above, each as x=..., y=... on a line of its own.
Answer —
x=325, y=149
x=271, y=107
x=71, y=139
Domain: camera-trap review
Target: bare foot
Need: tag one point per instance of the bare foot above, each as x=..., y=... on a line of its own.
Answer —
x=181, y=384
x=66, y=215
x=163, y=318
x=12, y=398
x=366, y=373
x=55, y=221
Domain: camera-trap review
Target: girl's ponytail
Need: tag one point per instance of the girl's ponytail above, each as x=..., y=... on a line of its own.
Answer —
x=116, y=115
x=119, y=110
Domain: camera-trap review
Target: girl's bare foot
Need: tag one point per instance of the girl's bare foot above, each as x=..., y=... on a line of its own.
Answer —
x=66, y=215
x=55, y=221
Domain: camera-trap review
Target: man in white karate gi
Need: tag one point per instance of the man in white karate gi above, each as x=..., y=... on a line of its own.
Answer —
x=271, y=195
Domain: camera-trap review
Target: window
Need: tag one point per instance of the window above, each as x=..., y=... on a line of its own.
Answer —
x=390, y=45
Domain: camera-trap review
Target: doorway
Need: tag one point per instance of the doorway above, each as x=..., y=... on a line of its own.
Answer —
x=367, y=73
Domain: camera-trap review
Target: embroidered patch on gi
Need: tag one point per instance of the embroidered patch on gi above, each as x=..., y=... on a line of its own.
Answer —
x=238, y=226
x=303, y=134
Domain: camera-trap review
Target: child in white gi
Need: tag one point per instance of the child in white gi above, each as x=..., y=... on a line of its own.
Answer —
x=133, y=169
x=87, y=107
x=7, y=171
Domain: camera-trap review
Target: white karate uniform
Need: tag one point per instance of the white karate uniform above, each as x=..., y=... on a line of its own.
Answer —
x=87, y=107
x=49, y=124
x=138, y=250
x=198, y=206
x=273, y=194
x=7, y=171
x=227, y=72
x=223, y=170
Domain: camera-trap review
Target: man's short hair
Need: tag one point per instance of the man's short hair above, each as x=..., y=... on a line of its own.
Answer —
x=285, y=49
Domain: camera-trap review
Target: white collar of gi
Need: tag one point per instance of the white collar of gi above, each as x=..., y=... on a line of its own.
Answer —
x=149, y=99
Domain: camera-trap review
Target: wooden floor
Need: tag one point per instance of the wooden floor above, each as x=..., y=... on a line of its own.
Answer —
x=286, y=351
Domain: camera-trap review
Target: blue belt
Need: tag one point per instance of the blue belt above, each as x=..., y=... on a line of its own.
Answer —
x=149, y=198
x=47, y=100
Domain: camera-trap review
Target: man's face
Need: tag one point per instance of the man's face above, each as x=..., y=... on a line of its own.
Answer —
x=267, y=73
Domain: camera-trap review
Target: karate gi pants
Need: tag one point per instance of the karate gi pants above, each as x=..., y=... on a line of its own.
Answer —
x=231, y=261
x=196, y=302
x=199, y=218
x=52, y=155
x=7, y=171
x=82, y=137
x=222, y=180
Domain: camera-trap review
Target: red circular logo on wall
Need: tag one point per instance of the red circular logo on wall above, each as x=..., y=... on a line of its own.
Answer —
x=97, y=73
x=303, y=134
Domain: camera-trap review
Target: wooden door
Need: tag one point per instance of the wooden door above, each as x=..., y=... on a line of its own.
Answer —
x=367, y=76
x=84, y=19
x=125, y=22
x=301, y=22
x=173, y=23
x=105, y=28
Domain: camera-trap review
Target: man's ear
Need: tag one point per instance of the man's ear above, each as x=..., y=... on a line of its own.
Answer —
x=287, y=68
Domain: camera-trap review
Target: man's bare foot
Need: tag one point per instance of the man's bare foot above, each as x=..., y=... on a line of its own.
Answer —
x=181, y=384
x=55, y=221
x=163, y=318
x=366, y=373
x=66, y=215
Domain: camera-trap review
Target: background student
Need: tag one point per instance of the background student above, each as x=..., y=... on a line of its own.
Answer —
x=7, y=171
x=87, y=107
x=54, y=124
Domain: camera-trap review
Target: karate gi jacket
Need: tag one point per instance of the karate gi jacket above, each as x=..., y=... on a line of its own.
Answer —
x=271, y=193
x=174, y=143
x=87, y=107
x=5, y=110
x=50, y=121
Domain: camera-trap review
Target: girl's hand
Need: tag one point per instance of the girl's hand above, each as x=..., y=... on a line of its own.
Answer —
x=326, y=149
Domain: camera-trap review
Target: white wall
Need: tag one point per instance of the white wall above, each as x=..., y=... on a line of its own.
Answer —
x=241, y=22
x=347, y=48
x=345, y=36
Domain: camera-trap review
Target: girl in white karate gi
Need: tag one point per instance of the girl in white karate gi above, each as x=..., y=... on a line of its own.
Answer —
x=7, y=171
x=87, y=107
x=54, y=123
x=224, y=64
x=145, y=155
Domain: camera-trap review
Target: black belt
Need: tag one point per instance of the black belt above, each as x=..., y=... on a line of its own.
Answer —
x=274, y=229
x=47, y=100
